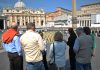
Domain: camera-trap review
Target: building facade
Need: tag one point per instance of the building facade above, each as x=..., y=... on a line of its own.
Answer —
x=84, y=15
x=59, y=12
x=22, y=15
x=59, y=18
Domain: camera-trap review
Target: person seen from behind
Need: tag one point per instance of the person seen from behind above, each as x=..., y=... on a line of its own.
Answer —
x=87, y=31
x=32, y=44
x=59, y=48
x=83, y=49
x=70, y=42
x=11, y=44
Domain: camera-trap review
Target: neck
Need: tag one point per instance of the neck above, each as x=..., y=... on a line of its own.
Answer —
x=31, y=30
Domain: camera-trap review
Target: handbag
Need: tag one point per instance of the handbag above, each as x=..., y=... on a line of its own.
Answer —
x=53, y=66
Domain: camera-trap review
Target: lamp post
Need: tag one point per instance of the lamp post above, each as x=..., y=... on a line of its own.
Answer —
x=74, y=16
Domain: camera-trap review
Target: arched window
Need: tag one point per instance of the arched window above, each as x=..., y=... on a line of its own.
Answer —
x=26, y=23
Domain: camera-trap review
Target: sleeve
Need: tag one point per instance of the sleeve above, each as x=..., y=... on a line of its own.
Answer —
x=76, y=46
x=50, y=52
x=40, y=42
x=69, y=41
x=3, y=45
x=94, y=43
x=18, y=45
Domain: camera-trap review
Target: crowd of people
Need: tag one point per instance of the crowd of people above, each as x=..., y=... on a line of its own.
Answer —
x=81, y=43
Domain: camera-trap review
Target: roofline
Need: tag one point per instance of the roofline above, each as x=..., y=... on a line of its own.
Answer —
x=64, y=9
x=90, y=4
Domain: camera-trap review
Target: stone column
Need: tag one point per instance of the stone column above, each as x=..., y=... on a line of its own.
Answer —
x=74, y=16
x=90, y=23
x=24, y=21
x=21, y=21
x=4, y=21
x=28, y=19
x=15, y=19
x=10, y=20
x=39, y=19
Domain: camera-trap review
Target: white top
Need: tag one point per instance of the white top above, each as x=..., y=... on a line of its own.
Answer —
x=32, y=44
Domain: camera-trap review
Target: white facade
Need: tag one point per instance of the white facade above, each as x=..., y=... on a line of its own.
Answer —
x=61, y=21
x=95, y=20
x=22, y=15
x=87, y=12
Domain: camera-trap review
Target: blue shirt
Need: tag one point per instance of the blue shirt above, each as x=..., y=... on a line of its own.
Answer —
x=76, y=45
x=14, y=46
x=60, y=50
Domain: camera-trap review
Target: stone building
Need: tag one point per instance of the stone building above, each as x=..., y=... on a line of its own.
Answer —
x=22, y=15
x=85, y=13
x=59, y=12
x=59, y=18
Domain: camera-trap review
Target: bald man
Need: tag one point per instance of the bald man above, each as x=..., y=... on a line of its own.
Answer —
x=12, y=45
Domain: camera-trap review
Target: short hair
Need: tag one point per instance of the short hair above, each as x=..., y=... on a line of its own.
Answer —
x=14, y=25
x=70, y=30
x=87, y=30
x=31, y=25
x=79, y=30
x=58, y=36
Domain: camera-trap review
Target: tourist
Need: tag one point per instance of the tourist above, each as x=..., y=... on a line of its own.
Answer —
x=32, y=44
x=87, y=31
x=57, y=51
x=71, y=41
x=83, y=49
x=12, y=45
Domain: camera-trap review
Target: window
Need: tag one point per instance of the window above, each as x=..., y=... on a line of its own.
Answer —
x=41, y=22
x=7, y=10
x=23, y=24
x=18, y=23
x=26, y=23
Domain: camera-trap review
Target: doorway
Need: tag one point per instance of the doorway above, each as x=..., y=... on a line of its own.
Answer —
x=1, y=24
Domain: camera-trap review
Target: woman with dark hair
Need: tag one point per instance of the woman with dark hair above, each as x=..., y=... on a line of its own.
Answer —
x=57, y=51
x=70, y=42
x=87, y=31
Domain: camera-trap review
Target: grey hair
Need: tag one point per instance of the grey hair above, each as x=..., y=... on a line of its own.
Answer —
x=79, y=30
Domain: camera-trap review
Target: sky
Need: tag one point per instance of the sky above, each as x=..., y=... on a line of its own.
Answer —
x=47, y=5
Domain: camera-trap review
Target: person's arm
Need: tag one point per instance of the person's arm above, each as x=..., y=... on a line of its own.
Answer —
x=69, y=41
x=50, y=53
x=18, y=45
x=76, y=46
x=40, y=42
x=3, y=45
x=94, y=46
x=94, y=43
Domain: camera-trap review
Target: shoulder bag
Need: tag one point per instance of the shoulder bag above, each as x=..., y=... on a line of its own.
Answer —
x=53, y=66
